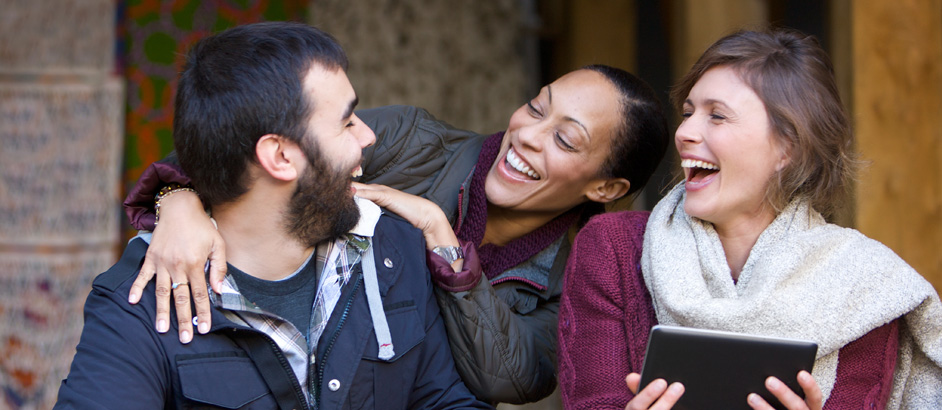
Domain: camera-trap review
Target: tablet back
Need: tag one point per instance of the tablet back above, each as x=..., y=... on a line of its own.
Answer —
x=719, y=369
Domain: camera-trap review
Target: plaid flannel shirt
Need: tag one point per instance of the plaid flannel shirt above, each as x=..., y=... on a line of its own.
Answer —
x=335, y=268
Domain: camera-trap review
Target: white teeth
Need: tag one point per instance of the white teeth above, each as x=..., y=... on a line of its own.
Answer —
x=517, y=164
x=357, y=172
x=695, y=163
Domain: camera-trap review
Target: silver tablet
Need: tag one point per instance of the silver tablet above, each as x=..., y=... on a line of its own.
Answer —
x=719, y=369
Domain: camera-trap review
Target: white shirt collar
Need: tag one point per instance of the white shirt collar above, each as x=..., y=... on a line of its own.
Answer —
x=369, y=217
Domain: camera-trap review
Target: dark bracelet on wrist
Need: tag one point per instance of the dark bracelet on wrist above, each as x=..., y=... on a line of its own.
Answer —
x=164, y=193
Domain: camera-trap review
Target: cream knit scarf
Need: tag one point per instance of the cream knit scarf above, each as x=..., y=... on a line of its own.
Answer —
x=804, y=279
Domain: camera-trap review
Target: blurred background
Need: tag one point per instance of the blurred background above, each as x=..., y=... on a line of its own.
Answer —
x=86, y=91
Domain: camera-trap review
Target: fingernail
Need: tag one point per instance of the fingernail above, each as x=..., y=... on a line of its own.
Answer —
x=804, y=376
x=185, y=337
x=204, y=327
x=161, y=326
x=132, y=298
x=676, y=388
x=660, y=384
x=772, y=383
x=753, y=398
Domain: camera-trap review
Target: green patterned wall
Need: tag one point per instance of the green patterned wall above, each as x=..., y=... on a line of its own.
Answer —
x=156, y=35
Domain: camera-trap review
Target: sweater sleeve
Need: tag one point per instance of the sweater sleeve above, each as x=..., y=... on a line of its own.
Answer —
x=865, y=370
x=445, y=276
x=139, y=204
x=605, y=313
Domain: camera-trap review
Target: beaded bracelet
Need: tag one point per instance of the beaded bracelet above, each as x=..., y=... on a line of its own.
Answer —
x=164, y=193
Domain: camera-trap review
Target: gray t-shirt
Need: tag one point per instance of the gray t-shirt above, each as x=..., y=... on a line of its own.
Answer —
x=291, y=298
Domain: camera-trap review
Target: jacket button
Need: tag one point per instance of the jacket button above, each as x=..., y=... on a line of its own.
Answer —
x=388, y=263
x=333, y=385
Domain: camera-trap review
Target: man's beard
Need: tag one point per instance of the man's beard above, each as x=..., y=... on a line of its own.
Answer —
x=321, y=207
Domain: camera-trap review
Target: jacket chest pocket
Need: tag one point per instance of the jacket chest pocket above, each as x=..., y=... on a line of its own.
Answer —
x=226, y=380
x=391, y=380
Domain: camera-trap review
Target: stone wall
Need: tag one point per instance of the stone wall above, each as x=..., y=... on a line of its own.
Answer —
x=468, y=62
x=61, y=114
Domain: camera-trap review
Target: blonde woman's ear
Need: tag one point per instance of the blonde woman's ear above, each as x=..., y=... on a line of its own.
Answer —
x=783, y=160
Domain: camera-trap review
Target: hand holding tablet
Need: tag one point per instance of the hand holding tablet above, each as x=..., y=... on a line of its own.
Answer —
x=719, y=370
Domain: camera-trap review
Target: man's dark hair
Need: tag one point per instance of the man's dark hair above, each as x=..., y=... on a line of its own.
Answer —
x=237, y=86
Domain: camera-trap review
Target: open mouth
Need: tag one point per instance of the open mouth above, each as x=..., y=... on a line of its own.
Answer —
x=698, y=170
x=519, y=165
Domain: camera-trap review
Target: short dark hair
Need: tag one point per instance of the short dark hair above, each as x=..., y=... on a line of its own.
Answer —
x=237, y=86
x=641, y=138
x=793, y=77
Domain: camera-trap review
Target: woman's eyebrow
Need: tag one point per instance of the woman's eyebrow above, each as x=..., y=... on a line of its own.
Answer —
x=584, y=128
x=549, y=93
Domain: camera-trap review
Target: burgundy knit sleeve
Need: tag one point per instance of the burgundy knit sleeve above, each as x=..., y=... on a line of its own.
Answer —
x=139, y=204
x=865, y=370
x=605, y=313
x=446, y=277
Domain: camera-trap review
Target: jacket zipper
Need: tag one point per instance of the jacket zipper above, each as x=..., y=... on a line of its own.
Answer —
x=333, y=338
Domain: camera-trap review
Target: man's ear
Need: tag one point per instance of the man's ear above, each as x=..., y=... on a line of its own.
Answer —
x=607, y=190
x=279, y=157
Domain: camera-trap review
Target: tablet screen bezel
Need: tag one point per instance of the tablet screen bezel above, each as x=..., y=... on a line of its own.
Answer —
x=719, y=369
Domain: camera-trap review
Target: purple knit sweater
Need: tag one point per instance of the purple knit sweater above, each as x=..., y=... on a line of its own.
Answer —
x=606, y=313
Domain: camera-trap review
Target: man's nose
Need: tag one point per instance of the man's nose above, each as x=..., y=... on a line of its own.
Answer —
x=364, y=134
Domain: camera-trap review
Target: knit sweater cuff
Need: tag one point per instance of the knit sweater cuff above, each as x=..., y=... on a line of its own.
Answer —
x=446, y=278
x=139, y=204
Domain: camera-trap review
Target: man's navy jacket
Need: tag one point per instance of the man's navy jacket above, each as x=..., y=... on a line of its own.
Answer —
x=122, y=362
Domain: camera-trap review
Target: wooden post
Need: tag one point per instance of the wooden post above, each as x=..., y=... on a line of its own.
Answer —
x=700, y=23
x=897, y=96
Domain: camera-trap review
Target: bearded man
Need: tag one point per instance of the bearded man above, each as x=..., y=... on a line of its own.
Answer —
x=328, y=302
